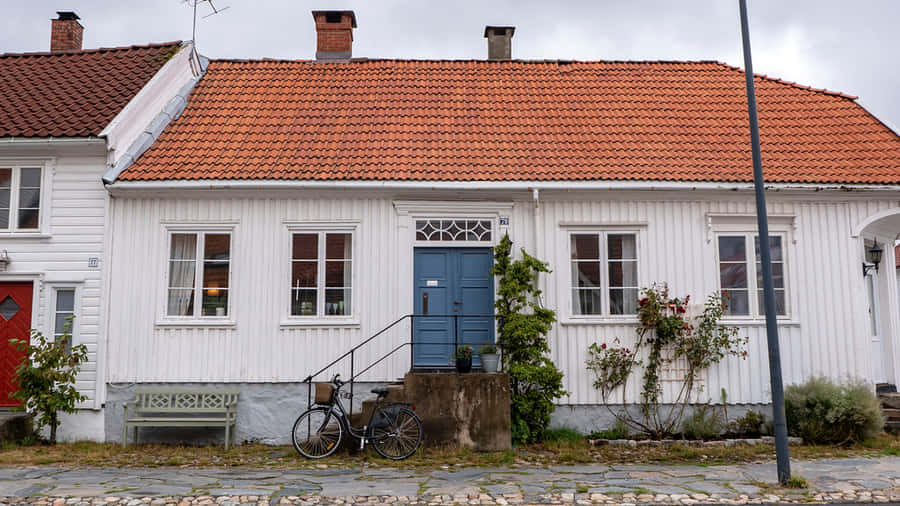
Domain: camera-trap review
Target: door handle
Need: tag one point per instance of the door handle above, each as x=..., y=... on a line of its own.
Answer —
x=425, y=303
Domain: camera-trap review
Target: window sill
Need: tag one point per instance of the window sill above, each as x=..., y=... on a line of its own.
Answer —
x=212, y=322
x=755, y=322
x=319, y=322
x=24, y=235
x=599, y=320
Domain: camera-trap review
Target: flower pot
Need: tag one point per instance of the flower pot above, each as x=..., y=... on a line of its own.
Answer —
x=463, y=364
x=490, y=362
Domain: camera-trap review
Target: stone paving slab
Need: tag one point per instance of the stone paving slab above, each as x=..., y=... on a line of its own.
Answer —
x=847, y=480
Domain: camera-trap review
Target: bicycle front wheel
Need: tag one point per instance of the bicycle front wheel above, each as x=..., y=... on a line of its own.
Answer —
x=400, y=437
x=317, y=433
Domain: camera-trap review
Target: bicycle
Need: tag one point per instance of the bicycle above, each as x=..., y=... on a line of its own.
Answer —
x=393, y=429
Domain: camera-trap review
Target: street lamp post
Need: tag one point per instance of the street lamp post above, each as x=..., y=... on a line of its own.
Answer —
x=781, y=443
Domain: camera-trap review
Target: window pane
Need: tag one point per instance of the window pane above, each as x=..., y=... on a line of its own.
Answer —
x=337, y=274
x=29, y=199
x=733, y=276
x=732, y=249
x=303, y=302
x=738, y=302
x=5, y=178
x=777, y=275
x=65, y=300
x=337, y=301
x=181, y=302
x=184, y=247
x=59, y=327
x=585, y=274
x=217, y=247
x=5, y=182
x=623, y=300
x=621, y=246
x=181, y=273
x=585, y=246
x=304, y=274
x=306, y=247
x=780, y=303
x=623, y=274
x=215, y=302
x=28, y=218
x=774, y=248
x=337, y=246
x=215, y=275
x=30, y=178
x=586, y=302
x=4, y=197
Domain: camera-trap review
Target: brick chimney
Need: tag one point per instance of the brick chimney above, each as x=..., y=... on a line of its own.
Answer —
x=66, y=32
x=334, y=34
x=499, y=41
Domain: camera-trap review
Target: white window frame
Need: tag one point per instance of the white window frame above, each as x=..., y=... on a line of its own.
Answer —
x=565, y=284
x=197, y=319
x=45, y=166
x=752, y=287
x=76, y=308
x=492, y=218
x=320, y=319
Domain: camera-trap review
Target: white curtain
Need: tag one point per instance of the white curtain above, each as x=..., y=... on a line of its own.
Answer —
x=182, y=268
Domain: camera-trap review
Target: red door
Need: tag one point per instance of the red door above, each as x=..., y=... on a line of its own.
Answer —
x=15, y=323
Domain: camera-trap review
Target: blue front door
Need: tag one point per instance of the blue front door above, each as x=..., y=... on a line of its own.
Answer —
x=448, y=282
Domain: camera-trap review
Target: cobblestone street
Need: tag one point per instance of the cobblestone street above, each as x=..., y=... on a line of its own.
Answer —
x=846, y=480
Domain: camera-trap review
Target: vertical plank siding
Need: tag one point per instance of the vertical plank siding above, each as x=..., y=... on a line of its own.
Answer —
x=825, y=334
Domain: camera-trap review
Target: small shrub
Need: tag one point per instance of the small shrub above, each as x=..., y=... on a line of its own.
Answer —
x=797, y=482
x=704, y=423
x=563, y=434
x=750, y=425
x=488, y=349
x=618, y=431
x=822, y=411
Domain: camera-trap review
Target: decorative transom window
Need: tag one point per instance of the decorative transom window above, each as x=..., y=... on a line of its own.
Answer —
x=199, y=259
x=604, y=273
x=64, y=315
x=20, y=199
x=740, y=276
x=321, y=274
x=454, y=230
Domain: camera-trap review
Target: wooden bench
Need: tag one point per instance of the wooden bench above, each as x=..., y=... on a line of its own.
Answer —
x=181, y=407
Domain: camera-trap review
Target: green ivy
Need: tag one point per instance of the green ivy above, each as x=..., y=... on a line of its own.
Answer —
x=46, y=377
x=534, y=379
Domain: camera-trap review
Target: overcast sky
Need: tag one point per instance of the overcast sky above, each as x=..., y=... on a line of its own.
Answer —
x=848, y=46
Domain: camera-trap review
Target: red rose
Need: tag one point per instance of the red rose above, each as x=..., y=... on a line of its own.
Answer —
x=603, y=346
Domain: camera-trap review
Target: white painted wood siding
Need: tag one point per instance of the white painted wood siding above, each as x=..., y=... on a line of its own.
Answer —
x=825, y=333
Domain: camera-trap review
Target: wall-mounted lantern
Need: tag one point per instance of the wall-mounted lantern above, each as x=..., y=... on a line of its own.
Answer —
x=873, y=255
x=4, y=261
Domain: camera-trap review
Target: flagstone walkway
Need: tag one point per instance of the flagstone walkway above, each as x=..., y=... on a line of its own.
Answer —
x=847, y=480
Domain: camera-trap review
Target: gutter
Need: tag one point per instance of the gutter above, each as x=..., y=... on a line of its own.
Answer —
x=484, y=185
x=170, y=112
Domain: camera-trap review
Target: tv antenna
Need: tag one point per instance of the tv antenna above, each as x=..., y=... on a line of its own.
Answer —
x=213, y=13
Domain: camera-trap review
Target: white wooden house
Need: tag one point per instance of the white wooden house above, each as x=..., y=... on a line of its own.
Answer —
x=297, y=208
x=68, y=116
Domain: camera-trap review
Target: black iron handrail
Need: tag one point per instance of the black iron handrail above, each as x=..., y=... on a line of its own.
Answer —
x=411, y=343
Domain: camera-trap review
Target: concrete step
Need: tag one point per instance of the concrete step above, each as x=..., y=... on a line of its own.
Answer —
x=883, y=388
x=15, y=426
x=890, y=400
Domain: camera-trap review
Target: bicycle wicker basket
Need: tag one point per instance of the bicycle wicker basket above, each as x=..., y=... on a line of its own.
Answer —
x=324, y=393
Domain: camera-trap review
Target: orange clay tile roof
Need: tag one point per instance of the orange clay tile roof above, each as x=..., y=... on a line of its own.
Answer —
x=73, y=94
x=512, y=120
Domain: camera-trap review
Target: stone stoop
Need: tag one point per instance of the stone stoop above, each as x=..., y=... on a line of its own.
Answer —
x=15, y=426
x=890, y=406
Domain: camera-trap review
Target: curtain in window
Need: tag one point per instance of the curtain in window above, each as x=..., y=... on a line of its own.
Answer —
x=182, y=267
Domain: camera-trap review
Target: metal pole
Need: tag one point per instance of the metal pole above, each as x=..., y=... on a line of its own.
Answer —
x=781, y=444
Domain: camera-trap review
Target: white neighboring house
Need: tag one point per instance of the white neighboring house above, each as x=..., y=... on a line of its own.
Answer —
x=297, y=208
x=67, y=117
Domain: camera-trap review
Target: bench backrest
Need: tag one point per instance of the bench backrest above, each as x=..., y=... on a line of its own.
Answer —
x=185, y=400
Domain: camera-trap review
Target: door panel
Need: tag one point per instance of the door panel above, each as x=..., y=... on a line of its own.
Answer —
x=15, y=323
x=451, y=281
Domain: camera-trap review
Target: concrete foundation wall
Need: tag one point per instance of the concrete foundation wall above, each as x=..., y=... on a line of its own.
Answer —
x=592, y=418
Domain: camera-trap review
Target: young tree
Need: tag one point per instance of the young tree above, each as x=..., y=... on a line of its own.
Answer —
x=534, y=380
x=46, y=377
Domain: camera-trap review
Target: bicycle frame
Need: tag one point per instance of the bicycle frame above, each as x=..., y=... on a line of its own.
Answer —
x=359, y=433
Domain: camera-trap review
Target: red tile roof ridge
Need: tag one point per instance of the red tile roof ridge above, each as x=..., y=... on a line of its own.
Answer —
x=793, y=84
x=94, y=50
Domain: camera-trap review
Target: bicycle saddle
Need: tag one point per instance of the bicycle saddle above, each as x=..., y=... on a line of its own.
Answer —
x=380, y=392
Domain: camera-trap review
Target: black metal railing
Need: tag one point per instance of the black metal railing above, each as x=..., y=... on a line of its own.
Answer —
x=351, y=353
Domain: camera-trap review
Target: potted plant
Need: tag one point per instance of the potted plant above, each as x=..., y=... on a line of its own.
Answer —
x=464, y=358
x=490, y=360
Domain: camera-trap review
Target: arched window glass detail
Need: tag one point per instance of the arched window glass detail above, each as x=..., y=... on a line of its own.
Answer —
x=458, y=230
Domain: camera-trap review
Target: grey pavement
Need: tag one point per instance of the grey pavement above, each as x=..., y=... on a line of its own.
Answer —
x=850, y=480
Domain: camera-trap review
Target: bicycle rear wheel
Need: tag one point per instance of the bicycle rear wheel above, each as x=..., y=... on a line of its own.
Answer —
x=400, y=437
x=317, y=433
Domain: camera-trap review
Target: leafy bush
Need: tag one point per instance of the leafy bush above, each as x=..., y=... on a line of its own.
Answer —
x=750, y=425
x=704, y=423
x=566, y=434
x=618, y=431
x=534, y=379
x=46, y=377
x=822, y=411
x=488, y=349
